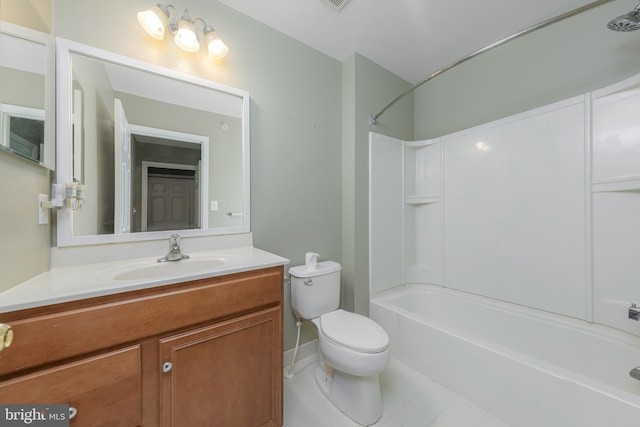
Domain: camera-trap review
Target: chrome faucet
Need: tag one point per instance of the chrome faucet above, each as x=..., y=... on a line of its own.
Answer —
x=634, y=312
x=174, y=250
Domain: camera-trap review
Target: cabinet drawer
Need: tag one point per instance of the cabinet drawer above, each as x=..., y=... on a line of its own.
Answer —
x=119, y=319
x=104, y=389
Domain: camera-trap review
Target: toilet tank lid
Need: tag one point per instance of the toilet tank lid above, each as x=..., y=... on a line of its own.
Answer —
x=321, y=269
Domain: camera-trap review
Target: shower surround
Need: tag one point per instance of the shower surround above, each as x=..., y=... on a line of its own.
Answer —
x=503, y=258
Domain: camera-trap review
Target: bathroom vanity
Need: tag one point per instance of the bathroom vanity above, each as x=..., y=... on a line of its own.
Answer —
x=199, y=352
x=133, y=342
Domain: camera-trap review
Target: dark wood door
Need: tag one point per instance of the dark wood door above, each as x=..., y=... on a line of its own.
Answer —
x=171, y=204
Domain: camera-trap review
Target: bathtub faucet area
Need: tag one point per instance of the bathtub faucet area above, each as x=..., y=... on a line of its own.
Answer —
x=634, y=312
x=175, y=254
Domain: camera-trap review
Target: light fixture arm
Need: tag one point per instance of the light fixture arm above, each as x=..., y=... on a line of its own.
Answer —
x=186, y=17
x=167, y=8
x=204, y=24
x=206, y=28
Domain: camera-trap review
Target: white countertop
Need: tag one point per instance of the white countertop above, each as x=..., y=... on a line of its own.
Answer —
x=92, y=280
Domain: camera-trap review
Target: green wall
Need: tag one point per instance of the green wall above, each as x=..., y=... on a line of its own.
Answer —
x=566, y=59
x=295, y=115
x=366, y=89
x=24, y=252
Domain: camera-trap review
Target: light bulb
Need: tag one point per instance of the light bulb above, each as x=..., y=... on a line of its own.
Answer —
x=186, y=37
x=217, y=49
x=154, y=21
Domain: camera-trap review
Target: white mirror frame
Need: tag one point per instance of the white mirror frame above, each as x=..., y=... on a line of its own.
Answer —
x=64, y=129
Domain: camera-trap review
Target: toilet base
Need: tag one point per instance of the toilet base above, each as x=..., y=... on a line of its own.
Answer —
x=359, y=398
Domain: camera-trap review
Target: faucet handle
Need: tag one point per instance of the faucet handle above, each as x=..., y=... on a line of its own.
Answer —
x=174, y=250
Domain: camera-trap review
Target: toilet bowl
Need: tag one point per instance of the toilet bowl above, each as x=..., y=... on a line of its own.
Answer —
x=353, y=349
x=352, y=343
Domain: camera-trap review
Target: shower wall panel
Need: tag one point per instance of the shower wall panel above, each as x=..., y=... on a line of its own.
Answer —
x=540, y=209
x=386, y=247
x=616, y=204
x=514, y=199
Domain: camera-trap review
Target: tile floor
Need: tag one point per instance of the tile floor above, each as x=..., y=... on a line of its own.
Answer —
x=410, y=400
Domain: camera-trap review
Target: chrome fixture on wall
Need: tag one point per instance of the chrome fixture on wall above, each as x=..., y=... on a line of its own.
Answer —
x=69, y=196
x=157, y=19
x=627, y=22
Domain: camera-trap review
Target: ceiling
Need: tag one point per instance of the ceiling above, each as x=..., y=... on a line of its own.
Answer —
x=411, y=38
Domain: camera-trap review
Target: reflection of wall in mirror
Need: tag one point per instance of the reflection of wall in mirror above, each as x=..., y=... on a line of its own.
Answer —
x=18, y=87
x=226, y=176
x=24, y=64
x=22, y=97
x=96, y=217
x=97, y=80
x=225, y=149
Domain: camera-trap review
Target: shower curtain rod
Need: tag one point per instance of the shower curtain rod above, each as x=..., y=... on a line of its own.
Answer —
x=374, y=118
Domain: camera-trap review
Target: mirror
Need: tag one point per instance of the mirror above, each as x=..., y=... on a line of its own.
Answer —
x=26, y=94
x=158, y=151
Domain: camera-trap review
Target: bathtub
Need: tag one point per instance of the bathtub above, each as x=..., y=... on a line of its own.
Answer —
x=528, y=367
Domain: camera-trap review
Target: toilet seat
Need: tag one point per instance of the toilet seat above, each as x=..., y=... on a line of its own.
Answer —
x=354, y=331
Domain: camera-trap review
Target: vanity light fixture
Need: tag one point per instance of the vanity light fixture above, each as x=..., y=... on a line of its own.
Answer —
x=157, y=20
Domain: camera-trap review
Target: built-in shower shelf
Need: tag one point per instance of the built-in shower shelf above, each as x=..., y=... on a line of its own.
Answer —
x=423, y=200
x=627, y=183
x=420, y=144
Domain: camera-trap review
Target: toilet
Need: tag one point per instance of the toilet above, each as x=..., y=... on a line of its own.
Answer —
x=353, y=349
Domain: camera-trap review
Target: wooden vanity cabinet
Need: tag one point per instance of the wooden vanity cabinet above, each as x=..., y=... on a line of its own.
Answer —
x=235, y=361
x=201, y=353
x=103, y=389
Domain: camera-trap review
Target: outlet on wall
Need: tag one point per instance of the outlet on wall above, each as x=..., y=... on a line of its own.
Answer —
x=43, y=214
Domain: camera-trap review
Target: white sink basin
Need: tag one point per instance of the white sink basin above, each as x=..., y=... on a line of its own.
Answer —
x=170, y=269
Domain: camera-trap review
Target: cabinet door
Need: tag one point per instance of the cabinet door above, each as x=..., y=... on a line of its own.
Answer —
x=104, y=389
x=225, y=374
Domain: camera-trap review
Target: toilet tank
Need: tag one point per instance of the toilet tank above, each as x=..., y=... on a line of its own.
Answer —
x=315, y=291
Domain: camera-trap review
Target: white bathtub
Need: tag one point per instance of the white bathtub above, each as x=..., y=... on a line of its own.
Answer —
x=528, y=367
